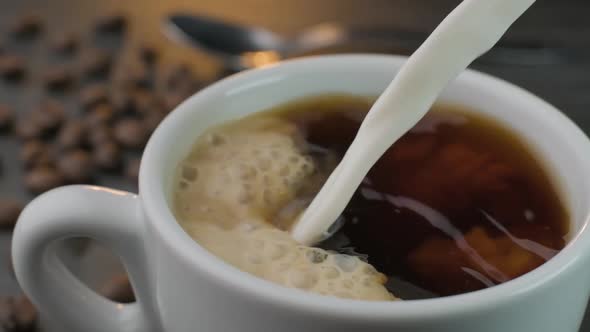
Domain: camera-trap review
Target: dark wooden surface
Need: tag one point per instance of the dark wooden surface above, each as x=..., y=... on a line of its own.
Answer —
x=566, y=85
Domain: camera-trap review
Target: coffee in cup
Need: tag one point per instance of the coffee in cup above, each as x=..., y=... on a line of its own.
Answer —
x=456, y=205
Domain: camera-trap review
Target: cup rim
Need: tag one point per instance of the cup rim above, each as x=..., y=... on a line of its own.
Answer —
x=158, y=212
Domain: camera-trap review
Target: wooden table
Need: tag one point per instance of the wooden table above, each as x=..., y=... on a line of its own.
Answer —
x=566, y=85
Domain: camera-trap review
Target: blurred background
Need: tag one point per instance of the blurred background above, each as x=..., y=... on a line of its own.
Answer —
x=108, y=69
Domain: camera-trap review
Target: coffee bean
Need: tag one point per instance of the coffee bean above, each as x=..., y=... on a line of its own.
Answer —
x=64, y=44
x=10, y=209
x=43, y=178
x=132, y=74
x=119, y=289
x=100, y=134
x=145, y=101
x=172, y=100
x=132, y=169
x=76, y=166
x=152, y=120
x=100, y=115
x=27, y=26
x=35, y=153
x=122, y=101
x=31, y=151
x=26, y=313
x=41, y=122
x=148, y=54
x=58, y=78
x=111, y=24
x=12, y=67
x=141, y=78
x=27, y=129
x=95, y=64
x=6, y=117
x=107, y=155
x=177, y=75
x=49, y=116
x=72, y=134
x=17, y=314
x=93, y=95
x=130, y=133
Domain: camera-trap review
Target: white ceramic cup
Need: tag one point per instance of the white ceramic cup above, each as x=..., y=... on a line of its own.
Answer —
x=183, y=288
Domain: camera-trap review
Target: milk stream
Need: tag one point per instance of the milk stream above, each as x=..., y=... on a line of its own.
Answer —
x=466, y=33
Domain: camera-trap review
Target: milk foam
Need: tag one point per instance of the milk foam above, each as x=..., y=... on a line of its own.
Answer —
x=231, y=187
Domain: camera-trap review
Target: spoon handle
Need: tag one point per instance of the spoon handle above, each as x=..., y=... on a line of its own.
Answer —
x=467, y=32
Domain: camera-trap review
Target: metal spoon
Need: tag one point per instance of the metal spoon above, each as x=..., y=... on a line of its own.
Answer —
x=242, y=47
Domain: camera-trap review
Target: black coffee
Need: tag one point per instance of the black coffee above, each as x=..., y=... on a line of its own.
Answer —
x=456, y=205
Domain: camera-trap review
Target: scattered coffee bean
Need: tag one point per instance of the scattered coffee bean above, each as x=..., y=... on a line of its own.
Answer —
x=152, y=120
x=107, y=155
x=172, y=100
x=178, y=76
x=130, y=133
x=76, y=166
x=140, y=77
x=122, y=101
x=92, y=95
x=119, y=289
x=58, y=78
x=31, y=151
x=6, y=117
x=100, y=115
x=27, y=128
x=12, y=67
x=148, y=54
x=72, y=134
x=111, y=24
x=100, y=134
x=49, y=116
x=132, y=169
x=9, y=211
x=131, y=74
x=17, y=314
x=144, y=101
x=34, y=154
x=28, y=26
x=95, y=64
x=64, y=44
x=43, y=178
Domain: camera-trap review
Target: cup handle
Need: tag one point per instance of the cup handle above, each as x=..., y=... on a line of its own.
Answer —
x=109, y=216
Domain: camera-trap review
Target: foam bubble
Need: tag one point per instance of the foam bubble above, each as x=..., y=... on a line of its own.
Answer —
x=189, y=173
x=275, y=251
x=253, y=258
x=215, y=139
x=346, y=263
x=316, y=256
x=302, y=278
x=241, y=175
x=346, y=284
x=331, y=272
